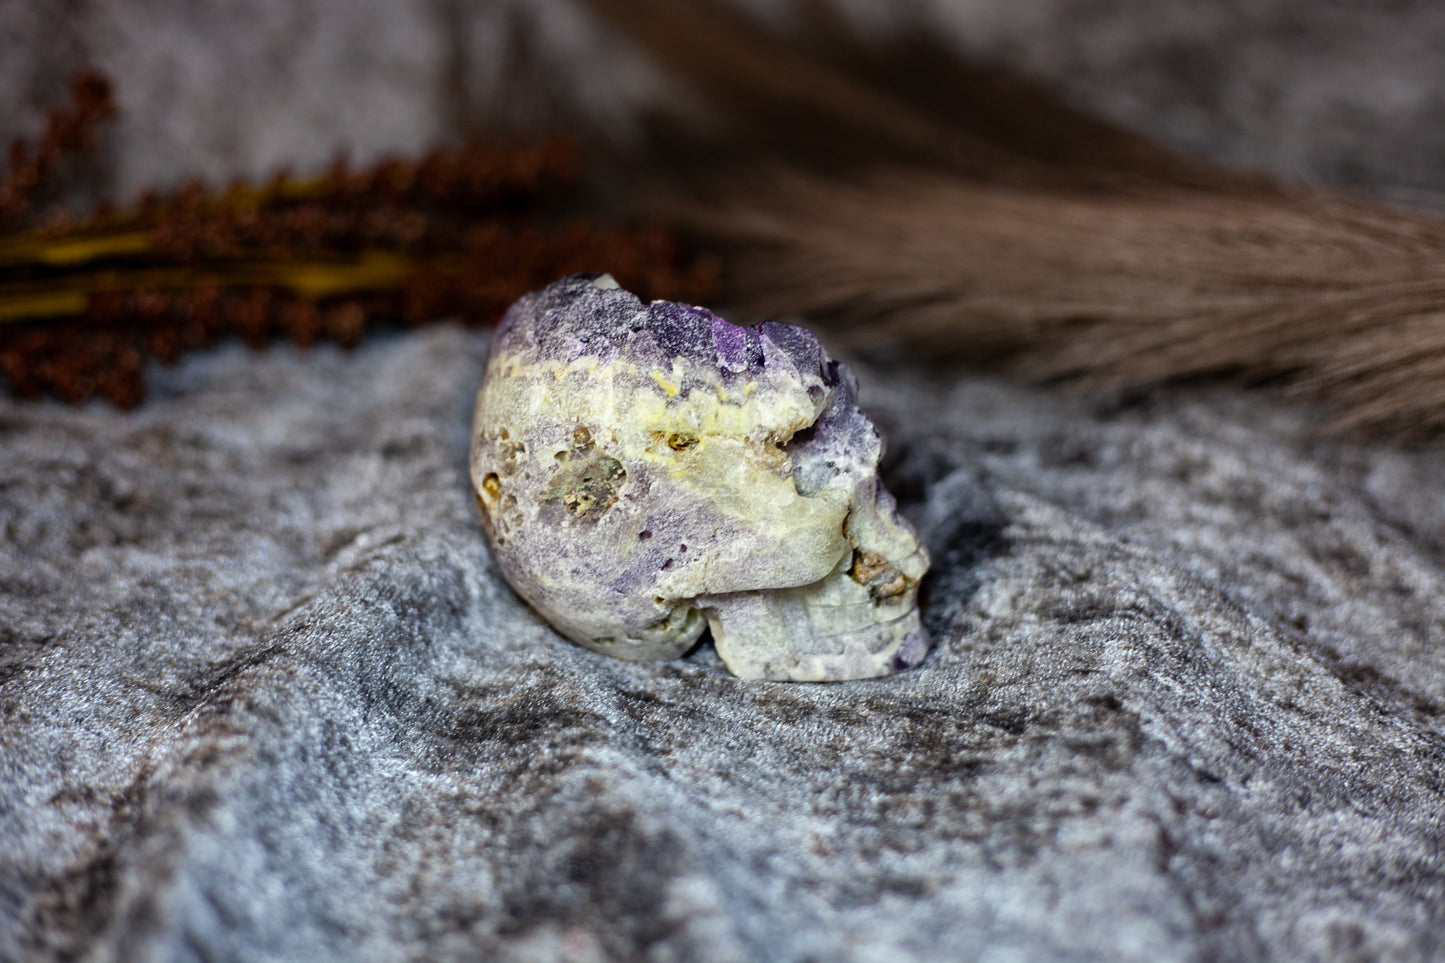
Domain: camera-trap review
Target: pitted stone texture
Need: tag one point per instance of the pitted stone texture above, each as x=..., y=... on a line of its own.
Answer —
x=647, y=471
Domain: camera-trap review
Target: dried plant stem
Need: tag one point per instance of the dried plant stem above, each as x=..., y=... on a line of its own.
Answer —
x=310, y=280
x=450, y=234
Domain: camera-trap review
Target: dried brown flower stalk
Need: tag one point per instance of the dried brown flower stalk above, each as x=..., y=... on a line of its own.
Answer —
x=452, y=234
x=69, y=129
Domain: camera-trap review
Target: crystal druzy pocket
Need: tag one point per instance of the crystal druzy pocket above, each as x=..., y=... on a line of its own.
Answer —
x=647, y=471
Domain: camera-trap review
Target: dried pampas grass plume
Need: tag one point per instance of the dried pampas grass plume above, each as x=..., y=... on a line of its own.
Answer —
x=904, y=198
x=1344, y=299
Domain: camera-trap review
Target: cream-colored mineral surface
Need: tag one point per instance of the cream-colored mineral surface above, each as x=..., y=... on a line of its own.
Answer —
x=645, y=472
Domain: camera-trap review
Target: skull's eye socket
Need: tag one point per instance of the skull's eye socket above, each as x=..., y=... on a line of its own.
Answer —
x=677, y=441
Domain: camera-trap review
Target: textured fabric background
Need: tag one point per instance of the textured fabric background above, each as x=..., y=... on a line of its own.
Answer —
x=263, y=695
x=1326, y=92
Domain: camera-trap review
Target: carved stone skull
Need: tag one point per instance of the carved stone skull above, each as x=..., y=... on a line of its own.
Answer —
x=647, y=471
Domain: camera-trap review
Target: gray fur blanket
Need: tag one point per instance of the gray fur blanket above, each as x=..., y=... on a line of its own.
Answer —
x=263, y=694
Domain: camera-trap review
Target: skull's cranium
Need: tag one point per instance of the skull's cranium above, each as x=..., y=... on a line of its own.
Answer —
x=646, y=471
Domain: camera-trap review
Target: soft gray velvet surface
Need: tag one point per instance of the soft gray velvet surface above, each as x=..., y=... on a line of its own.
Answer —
x=265, y=696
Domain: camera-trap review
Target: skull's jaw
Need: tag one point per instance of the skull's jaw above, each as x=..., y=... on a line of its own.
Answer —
x=830, y=631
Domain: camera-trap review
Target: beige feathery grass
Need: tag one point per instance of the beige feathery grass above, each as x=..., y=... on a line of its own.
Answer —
x=905, y=198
